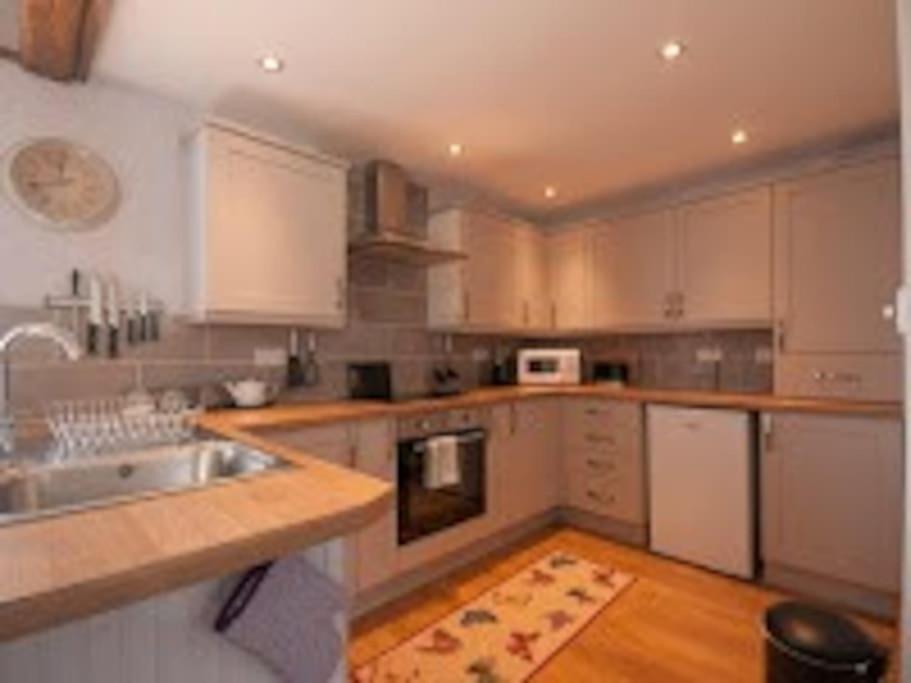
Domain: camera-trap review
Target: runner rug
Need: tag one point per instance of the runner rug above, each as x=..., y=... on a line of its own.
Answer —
x=508, y=632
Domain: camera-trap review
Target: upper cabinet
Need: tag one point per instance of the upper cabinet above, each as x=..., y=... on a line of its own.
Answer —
x=634, y=272
x=837, y=267
x=724, y=260
x=500, y=286
x=569, y=277
x=269, y=232
x=705, y=264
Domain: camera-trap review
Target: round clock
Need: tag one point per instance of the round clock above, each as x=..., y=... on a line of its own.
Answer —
x=62, y=185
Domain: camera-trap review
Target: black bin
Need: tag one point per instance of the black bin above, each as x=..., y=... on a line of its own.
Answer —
x=806, y=644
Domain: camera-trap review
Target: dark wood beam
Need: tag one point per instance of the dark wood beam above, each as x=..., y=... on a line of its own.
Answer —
x=58, y=38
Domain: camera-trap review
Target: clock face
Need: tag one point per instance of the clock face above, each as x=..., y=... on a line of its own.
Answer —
x=63, y=185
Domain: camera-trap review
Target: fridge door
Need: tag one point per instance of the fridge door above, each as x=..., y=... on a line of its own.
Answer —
x=702, y=485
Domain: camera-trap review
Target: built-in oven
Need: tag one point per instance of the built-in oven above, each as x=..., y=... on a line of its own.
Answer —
x=426, y=506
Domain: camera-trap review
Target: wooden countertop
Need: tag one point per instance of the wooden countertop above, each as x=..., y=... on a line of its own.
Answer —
x=62, y=568
x=310, y=414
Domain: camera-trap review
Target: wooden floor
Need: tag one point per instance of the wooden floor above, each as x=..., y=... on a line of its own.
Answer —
x=676, y=623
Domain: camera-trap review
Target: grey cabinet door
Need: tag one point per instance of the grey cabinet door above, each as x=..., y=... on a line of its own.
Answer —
x=832, y=497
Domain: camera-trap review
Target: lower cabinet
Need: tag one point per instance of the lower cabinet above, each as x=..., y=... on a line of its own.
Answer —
x=603, y=459
x=525, y=460
x=831, y=497
x=369, y=447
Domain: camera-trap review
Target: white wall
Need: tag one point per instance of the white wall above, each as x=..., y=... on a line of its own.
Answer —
x=140, y=135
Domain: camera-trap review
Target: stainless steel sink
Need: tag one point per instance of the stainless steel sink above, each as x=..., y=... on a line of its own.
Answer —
x=29, y=492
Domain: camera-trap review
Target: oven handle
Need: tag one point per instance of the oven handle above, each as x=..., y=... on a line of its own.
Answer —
x=462, y=439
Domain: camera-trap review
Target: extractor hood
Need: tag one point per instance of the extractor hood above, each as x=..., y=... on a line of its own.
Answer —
x=396, y=219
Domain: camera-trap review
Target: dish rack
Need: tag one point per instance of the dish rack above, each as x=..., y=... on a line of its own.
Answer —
x=89, y=427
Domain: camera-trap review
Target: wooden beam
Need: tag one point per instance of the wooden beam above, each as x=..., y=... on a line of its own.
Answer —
x=58, y=38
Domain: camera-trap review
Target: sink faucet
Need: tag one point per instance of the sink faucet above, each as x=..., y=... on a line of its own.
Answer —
x=62, y=338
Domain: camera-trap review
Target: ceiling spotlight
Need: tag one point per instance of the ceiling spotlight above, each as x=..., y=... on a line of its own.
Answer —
x=671, y=50
x=271, y=64
x=550, y=192
x=456, y=149
x=739, y=136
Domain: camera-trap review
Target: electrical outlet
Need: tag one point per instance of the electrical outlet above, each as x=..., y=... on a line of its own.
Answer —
x=269, y=357
x=709, y=354
x=480, y=355
x=763, y=356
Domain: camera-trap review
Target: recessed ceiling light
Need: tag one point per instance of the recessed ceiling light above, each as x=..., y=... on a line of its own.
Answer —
x=671, y=50
x=271, y=64
x=739, y=136
x=550, y=192
x=456, y=149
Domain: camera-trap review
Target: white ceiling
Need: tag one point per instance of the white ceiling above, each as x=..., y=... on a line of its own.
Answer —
x=563, y=92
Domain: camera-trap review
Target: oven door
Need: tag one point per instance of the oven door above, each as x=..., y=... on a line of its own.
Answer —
x=423, y=511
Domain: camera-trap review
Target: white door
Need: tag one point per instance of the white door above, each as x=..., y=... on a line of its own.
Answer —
x=634, y=271
x=724, y=248
x=702, y=497
x=276, y=234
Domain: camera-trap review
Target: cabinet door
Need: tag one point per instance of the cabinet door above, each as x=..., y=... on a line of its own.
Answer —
x=376, y=543
x=489, y=273
x=535, y=469
x=634, y=271
x=569, y=270
x=832, y=497
x=837, y=264
x=724, y=251
x=447, y=287
x=275, y=233
x=531, y=305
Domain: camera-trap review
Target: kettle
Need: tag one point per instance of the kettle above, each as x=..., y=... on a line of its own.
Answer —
x=249, y=393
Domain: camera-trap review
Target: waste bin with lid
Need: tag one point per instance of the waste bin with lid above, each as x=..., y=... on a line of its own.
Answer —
x=807, y=644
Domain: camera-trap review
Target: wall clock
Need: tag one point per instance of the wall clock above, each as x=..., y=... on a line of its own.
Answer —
x=60, y=184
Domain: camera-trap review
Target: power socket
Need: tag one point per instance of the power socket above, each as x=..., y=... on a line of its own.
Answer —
x=270, y=357
x=709, y=354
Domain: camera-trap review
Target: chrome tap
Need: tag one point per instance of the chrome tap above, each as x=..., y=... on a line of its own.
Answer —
x=61, y=337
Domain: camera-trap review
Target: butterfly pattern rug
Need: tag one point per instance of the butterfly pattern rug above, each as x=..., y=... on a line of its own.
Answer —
x=508, y=632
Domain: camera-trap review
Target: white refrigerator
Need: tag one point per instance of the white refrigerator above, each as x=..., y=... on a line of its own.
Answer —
x=703, y=487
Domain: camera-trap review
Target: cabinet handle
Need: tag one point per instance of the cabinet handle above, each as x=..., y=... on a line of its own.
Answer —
x=340, y=294
x=824, y=376
x=780, y=335
x=669, y=305
x=595, y=438
x=466, y=306
x=513, y=418
x=681, y=305
x=599, y=498
x=600, y=465
x=525, y=315
x=768, y=431
x=553, y=314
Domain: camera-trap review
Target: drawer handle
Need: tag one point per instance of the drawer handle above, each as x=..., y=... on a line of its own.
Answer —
x=599, y=498
x=594, y=438
x=825, y=376
x=600, y=465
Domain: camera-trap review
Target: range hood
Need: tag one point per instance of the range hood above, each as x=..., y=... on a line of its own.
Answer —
x=396, y=220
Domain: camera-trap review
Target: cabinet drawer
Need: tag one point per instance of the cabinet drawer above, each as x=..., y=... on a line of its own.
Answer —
x=619, y=497
x=600, y=415
x=586, y=464
x=864, y=377
x=603, y=440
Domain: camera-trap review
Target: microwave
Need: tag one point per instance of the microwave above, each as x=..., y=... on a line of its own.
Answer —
x=550, y=366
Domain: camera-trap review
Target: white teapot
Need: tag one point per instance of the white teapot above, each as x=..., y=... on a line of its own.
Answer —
x=249, y=393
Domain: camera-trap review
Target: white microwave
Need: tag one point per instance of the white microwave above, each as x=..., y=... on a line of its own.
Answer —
x=550, y=366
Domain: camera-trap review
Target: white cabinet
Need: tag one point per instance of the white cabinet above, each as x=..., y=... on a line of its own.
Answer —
x=703, y=264
x=724, y=260
x=603, y=459
x=634, y=271
x=500, y=287
x=832, y=497
x=569, y=278
x=525, y=449
x=269, y=232
x=837, y=264
x=377, y=543
x=369, y=447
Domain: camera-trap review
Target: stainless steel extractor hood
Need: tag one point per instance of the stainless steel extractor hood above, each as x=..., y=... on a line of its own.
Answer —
x=396, y=219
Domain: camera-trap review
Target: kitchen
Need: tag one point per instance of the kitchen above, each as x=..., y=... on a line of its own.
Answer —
x=359, y=379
